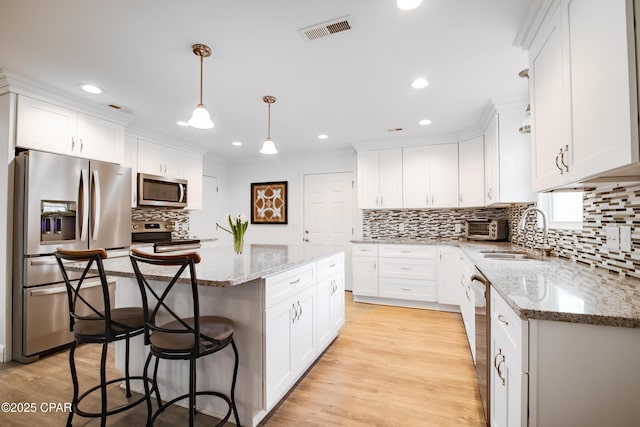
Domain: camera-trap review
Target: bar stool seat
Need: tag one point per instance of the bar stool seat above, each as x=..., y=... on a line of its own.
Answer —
x=92, y=320
x=188, y=337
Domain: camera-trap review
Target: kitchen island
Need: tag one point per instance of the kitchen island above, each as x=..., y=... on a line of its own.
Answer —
x=287, y=304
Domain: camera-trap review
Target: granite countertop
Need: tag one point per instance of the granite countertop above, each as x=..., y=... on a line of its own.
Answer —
x=552, y=288
x=220, y=266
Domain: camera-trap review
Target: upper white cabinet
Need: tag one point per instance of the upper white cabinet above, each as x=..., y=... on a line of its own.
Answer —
x=49, y=127
x=471, y=172
x=507, y=164
x=380, y=179
x=430, y=176
x=583, y=85
x=130, y=159
x=192, y=168
x=160, y=159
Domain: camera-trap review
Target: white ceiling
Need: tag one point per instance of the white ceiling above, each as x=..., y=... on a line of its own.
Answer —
x=352, y=86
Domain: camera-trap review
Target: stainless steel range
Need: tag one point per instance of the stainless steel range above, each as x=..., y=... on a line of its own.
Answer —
x=159, y=233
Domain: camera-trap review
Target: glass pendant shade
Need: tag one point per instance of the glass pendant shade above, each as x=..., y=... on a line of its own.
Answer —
x=268, y=147
x=200, y=118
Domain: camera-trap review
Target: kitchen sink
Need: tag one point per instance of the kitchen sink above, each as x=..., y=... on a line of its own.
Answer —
x=509, y=255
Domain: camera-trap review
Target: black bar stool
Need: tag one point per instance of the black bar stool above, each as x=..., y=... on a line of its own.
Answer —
x=176, y=337
x=94, y=321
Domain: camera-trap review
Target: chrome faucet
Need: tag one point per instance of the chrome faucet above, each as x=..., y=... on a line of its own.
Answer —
x=546, y=249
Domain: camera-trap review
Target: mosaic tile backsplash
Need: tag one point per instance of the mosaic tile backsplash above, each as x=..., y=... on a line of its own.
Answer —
x=180, y=217
x=423, y=224
x=609, y=204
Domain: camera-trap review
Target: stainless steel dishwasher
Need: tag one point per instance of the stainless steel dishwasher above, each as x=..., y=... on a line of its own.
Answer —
x=480, y=287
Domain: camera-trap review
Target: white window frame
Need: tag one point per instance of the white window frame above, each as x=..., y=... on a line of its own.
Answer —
x=545, y=202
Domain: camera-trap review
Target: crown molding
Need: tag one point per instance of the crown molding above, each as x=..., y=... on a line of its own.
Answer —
x=18, y=84
x=532, y=19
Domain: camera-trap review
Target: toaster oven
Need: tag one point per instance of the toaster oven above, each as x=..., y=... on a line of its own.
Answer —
x=487, y=229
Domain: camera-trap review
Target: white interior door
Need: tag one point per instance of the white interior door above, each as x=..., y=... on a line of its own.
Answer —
x=202, y=222
x=329, y=214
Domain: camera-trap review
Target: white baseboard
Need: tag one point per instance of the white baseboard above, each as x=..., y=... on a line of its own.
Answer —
x=2, y=355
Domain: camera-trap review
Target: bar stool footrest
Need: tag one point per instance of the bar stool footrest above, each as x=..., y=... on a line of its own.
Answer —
x=198, y=393
x=118, y=409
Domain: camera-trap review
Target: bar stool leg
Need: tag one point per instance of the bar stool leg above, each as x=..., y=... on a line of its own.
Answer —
x=147, y=392
x=192, y=390
x=103, y=384
x=155, y=382
x=126, y=366
x=233, y=383
x=74, y=379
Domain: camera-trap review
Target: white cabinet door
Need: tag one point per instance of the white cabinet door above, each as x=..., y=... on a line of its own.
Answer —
x=130, y=159
x=391, y=178
x=448, y=275
x=604, y=111
x=304, y=337
x=324, y=331
x=415, y=177
x=46, y=127
x=193, y=175
x=100, y=139
x=380, y=179
x=443, y=175
x=550, y=102
x=279, y=362
x=337, y=303
x=159, y=159
x=491, y=167
x=471, y=172
x=368, y=179
x=365, y=276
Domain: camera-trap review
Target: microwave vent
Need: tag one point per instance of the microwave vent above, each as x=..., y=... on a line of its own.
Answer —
x=326, y=28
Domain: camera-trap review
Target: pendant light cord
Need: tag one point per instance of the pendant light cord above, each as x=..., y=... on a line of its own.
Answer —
x=269, y=122
x=201, y=61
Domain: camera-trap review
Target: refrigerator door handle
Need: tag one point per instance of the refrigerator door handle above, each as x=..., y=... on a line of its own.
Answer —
x=84, y=200
x=96, y=211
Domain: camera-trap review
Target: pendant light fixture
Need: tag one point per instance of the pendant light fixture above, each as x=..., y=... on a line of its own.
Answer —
x=200, y=118
x=268, y=147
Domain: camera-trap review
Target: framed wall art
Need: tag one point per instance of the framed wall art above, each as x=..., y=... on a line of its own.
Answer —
x=269, y=202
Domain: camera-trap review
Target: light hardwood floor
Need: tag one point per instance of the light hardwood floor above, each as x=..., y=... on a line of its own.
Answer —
x=390, y=366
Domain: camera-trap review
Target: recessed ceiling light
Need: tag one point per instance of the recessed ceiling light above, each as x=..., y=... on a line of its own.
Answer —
x=182, y=123
x=408, y=4
x=90, y=88
x=236, y=143
x=323, y=136
x=425, y=122
x=419, y=83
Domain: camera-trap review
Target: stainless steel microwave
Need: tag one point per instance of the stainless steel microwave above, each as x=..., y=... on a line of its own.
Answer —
x=487, y=229
x=160, y=191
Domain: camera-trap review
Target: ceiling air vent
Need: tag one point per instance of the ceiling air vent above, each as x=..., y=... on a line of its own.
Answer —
x=326, y=28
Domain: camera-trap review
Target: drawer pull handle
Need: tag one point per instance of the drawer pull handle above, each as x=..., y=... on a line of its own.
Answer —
x=497, y=364
x=295, y=281
x=502, y=319
x=405, y=252
x=405, y=289
x=332, y=265
x=405, y=268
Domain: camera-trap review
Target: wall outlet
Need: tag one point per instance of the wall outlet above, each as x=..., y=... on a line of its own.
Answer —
x=625, y=238
x=612, y=235
x=458, y=228
x=401, y=227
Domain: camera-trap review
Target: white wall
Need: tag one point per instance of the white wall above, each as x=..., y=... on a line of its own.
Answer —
x=291, y=168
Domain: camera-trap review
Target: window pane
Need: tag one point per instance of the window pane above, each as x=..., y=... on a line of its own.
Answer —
x=566, y=207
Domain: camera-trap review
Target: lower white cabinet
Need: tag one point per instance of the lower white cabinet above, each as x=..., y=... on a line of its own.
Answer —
x=449, y=271
x=365, y=269
x=508, y=377
x=304, y=310
x=289, y=327
x=468, y=304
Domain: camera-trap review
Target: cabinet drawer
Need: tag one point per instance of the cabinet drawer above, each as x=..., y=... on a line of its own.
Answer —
x=365, y=249
x=408, y=268
x=281, y=286
x=408, y=251
x=417, y=290
x=330, y=265
x=507, y=323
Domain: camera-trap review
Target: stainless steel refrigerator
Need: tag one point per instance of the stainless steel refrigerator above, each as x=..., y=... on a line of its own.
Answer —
x=68, y=202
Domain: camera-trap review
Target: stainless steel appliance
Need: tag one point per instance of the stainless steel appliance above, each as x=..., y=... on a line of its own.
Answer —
x=487, y=229
x=159, y=233
x=154, y=190
x=67, y=202
x=481, y=288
